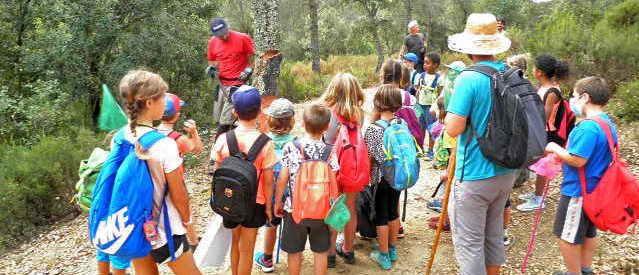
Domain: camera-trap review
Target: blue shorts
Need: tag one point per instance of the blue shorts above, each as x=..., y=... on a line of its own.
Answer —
x=427, y=118
x=116, y=262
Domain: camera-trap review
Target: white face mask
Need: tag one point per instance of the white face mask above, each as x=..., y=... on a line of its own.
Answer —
x=576, y=107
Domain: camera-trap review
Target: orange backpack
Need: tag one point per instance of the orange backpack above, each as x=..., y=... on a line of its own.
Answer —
x=315, y=187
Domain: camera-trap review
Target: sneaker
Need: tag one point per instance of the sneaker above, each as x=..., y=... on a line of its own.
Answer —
x=445, y=227
x=561, y=273
x=429, y=155
x=382, y=259
x=527, y=196
x=530, y=205
x=349, y=257
x=400, y=233
x=266, y=265
x=331, y=259
x=508, y=240
x=392, y=253
x=590, y=272
x=435, y=206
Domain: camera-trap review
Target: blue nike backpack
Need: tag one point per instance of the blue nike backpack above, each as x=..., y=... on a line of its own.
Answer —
x=401, y=167
x=123, y=200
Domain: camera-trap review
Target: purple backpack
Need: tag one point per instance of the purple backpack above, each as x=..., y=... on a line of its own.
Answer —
x=407, y=114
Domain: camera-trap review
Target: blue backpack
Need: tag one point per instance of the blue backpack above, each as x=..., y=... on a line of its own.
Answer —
x=401, y=168
x=123, y=201
x=279, y=146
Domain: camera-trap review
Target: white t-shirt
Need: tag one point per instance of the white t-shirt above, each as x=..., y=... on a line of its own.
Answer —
x=164, y=158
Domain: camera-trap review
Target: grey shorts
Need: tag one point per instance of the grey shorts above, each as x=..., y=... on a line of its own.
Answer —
x=223, y=109
x=294, y=235
x=477, y=223
x=571, y=222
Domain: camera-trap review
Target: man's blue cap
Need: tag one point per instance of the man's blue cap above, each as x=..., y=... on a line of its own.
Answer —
x=411, y=57
x=246, y=98
x=218, y=27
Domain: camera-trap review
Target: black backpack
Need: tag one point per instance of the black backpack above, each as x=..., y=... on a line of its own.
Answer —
x=516, y=134
x=366, y=212
x=235, y=181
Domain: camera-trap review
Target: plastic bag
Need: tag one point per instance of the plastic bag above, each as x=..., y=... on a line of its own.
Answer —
x=338, y=216
x=548, y=166
x=215, y=244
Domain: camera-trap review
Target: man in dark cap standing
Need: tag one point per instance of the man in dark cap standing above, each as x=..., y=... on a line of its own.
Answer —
x=229, y=55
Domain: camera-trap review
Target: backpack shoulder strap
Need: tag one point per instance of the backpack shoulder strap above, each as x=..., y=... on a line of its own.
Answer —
x=434, y=84
x=300, y=147
x=605, y=126
x=150, y=138
x=174, y=135
x=483, y=69
x=257, y=146
x=553, y=90
x=231, y=142
x=381, y=123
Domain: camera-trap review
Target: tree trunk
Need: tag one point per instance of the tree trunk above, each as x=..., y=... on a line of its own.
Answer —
x=378, y=48
x=315, y=46
x=267, y=46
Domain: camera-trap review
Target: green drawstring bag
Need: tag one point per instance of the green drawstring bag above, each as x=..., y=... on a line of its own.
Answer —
x=111, y=115
x=88, y=172
x=338, y=216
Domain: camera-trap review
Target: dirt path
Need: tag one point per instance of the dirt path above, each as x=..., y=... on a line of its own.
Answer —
x=65, y=248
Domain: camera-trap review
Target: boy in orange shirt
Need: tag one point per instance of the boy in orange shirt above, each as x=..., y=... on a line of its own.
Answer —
x=246, y=106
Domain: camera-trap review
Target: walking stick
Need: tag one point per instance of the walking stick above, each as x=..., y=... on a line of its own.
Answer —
x=442, y=217
x=533, y=236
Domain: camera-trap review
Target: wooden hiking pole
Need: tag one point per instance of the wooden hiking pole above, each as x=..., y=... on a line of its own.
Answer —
x=442, y=217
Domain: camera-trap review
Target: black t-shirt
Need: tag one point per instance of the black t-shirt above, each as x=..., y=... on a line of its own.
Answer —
x=414, y=43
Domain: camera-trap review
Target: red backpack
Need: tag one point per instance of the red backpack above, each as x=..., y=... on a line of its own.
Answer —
x=407, y=114
x=352, y=155
x=561, y=120
x=315, y=188
x=614, y=204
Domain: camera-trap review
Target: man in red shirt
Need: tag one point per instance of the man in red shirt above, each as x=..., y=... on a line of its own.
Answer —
x=229, y=54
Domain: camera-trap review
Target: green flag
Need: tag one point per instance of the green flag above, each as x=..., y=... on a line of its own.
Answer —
x=111, y=115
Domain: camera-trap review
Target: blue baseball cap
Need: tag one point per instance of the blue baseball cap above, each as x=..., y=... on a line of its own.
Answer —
x=173, y=104
x=411, y=57
x=246, y=98
x=218, y=27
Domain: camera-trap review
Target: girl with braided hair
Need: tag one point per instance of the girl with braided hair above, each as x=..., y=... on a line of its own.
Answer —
x=144, y=94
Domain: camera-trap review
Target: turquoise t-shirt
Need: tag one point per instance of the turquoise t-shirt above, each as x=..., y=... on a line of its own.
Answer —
x=472, y=97
x=587, y=140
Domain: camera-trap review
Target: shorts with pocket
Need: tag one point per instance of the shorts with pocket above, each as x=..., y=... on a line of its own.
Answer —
x=571, y=222
x=386, y=202
x=116, y=262
x=180, y=244
x=256, y=220
x=294, y=235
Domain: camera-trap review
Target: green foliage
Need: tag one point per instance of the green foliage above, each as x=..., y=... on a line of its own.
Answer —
x=38, y=181
x=625, y=103
x=298, y=82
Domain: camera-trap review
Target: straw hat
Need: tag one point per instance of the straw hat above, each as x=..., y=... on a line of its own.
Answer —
x=480, y=36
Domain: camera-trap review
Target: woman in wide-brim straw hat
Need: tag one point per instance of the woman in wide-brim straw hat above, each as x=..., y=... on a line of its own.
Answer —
x=480, y=37
x=478, y=198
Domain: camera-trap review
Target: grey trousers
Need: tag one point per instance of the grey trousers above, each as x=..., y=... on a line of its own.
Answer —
x=477, y=222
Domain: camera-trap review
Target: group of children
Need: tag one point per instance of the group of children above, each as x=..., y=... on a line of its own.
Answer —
x=279, y=161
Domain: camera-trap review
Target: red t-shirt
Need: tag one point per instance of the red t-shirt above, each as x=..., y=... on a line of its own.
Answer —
x=232, y=55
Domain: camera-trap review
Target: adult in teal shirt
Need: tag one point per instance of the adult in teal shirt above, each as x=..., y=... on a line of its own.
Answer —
x=481, y=187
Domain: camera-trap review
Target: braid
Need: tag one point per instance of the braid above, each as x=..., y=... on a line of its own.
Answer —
x=132, y=108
